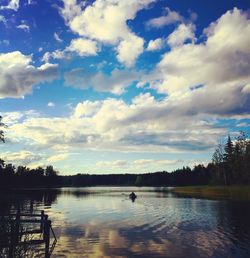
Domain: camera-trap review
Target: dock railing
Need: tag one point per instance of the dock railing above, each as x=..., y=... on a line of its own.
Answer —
x=22, y=228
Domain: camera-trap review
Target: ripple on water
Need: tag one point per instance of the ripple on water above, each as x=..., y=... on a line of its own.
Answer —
x=105, y=224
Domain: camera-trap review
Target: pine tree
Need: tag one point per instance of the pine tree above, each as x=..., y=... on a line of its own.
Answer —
x=228, y=159
x=220, y=175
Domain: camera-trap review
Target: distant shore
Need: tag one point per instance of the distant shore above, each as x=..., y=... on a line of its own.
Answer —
x=203, y=191
x=220, y=192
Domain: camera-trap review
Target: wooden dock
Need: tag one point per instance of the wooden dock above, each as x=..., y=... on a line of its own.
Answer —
x=26, y=229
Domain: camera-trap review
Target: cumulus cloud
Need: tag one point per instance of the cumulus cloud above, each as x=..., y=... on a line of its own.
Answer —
x=156, y=44
x=21, y=158
x=87, y=108
x=17, y=116
x=181, y=35
x=18, y=76
x=212, y=76
x=12, y=117
x=129, y=49
x=202, y=89
x=84, y=47
x=13, y=5
x=144, y=125
x=99, y=21
x=169, y=17
x=79, y=46
x=115, y=83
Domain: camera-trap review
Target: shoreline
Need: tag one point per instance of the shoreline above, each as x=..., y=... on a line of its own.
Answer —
x=204, y=191
x=218, y=192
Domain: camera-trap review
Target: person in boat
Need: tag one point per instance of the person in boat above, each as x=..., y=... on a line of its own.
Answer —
x=132, y=196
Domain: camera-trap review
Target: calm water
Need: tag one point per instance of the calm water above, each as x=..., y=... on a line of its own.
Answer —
x=104, y=222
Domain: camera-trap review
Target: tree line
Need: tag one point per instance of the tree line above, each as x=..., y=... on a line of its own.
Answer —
x=22, y=176
x=231, y=162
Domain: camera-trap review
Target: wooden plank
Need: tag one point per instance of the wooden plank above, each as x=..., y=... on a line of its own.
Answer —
x=30, y=220
x=14, y=238
x=21, y=214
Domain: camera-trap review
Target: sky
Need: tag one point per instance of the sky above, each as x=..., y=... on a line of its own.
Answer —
x=122, y=86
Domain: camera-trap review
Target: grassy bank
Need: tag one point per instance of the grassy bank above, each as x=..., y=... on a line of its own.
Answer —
x=221, y=192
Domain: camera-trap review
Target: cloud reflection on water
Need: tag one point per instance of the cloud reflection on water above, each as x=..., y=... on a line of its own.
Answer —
x=108, y=224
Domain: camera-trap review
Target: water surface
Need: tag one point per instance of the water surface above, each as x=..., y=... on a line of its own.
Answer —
x=104, y=222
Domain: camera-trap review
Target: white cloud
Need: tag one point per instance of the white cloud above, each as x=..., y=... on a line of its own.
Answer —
x=23, y=27
x=86, y=108
x=140, y=165
x=11, y=117
x=83, y=47
x=79, y=46
x=169, y=18
x=129, y=49
x=13, y=5
x=57, y=37
x=71, y=9
x=156, y=44
x=152, y=162
x=18, y=76
x=99, y=21
x=112, y=164
x=57, y=54
x=2, y=19
x=204, y=83
x=246, y=88
x=14, y=117
x=221, y=64
x=115, y=83
x=21, y=158
x=243, y=125
x=51, y=104
x=58, y=157
x=137, y=166
x=144, y=125
x=181, y=35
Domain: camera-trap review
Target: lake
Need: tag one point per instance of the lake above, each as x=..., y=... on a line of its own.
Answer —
x=104, y=222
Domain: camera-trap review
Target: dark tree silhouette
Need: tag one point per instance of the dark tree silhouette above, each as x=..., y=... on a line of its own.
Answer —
x=1, y=131
x=232, y=161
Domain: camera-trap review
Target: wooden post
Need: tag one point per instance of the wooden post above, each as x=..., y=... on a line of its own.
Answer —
x=11, y=247
x=45, y=220
x=17, y=227
x=14, y=237
x=31, y=205
x=42, y=221
x=47, y=237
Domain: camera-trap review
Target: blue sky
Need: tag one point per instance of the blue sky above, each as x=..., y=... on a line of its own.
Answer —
x=112, y=86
